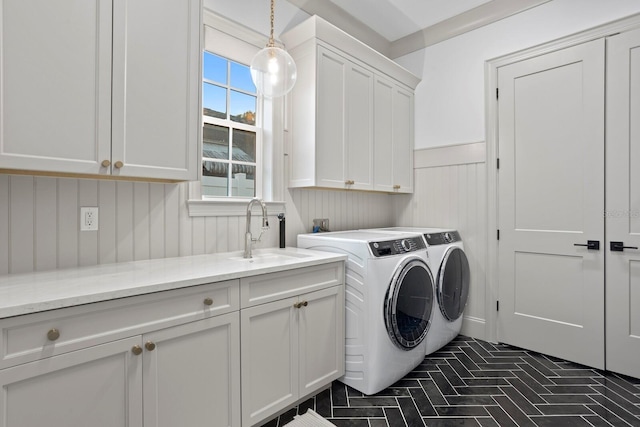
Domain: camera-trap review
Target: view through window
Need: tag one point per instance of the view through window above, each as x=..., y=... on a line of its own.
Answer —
x=229, y=146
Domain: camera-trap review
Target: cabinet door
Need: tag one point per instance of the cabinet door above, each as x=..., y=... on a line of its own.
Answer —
x=192, y=376
x=321, y=331
x=156, y=88
x=383, y=96
x=402, y=140
x=269, y=359
x=359, y=128
x=97, y=386
x=330, y=126
x=55, y=85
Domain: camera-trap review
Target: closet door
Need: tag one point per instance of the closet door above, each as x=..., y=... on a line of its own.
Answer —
x=623, y=204
x=551, y=199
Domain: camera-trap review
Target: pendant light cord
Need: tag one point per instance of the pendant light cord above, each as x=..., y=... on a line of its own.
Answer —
x=271, y=38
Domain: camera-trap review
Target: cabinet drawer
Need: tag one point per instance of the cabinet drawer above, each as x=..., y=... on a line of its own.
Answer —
x=26, y=338
x=275, y=286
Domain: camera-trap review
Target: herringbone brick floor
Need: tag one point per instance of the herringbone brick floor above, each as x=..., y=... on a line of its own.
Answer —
x=475, y=383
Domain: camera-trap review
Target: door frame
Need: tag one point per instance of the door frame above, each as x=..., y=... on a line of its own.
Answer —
x=491, y=137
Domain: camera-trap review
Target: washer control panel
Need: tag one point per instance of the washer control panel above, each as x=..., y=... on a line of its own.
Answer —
x=396, y=247
x=442, y=238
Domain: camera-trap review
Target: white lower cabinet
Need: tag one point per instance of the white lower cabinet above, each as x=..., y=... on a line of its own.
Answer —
x=191, y=375
x=290, y=349
x=174, y=358
x=179, y=363
x=99, y=386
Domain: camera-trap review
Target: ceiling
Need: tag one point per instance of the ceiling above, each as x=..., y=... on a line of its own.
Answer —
x=399, y=27
x=394, y=19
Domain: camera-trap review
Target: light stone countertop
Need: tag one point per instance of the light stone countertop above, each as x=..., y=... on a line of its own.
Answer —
x=40, y=291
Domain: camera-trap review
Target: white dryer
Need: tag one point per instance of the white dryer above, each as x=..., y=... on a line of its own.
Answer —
x=388, y=306
x=450, y=267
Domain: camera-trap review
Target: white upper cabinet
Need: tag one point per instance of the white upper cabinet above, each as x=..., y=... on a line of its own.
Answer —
x=156, y=88
x=350, y=113
x=55, y=85
x=101, y=87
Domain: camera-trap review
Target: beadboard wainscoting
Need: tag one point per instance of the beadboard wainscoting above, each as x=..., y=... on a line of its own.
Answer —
x=40, y=224
x=450, y=191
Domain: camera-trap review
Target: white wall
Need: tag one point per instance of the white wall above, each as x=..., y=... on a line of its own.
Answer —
x=39, y=221
x=450, y=187
x=450, y=192
x=450, y=98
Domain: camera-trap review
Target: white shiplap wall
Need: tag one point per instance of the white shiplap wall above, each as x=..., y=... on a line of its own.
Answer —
x=450, y=192
x=39, y=221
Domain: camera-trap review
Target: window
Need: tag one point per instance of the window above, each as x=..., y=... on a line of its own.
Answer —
x=230, y=136
x=243, y=134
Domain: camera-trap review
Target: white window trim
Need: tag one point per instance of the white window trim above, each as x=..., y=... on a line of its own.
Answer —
x=271, y=147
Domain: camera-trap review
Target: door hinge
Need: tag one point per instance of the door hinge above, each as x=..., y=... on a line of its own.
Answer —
x=497, y=93
x=497, y=305
x=498, y=163
x=498, y=234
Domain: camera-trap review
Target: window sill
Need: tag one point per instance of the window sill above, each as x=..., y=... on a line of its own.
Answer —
x=226, y=207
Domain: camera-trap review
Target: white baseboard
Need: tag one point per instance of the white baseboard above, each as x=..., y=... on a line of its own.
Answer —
x=473, y=327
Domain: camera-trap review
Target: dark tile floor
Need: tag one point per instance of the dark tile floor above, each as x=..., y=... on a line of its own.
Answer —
x=475, y=383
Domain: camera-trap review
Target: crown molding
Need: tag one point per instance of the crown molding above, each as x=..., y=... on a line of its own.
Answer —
x=470, y=20
x=337, y=16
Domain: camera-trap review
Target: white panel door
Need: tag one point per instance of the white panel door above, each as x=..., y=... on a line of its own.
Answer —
x=330, y=126
x=551, y=198
x=321, y=322
x=269, y=359
x=99, y=386
x=192, y=376
x=55, y=85
x=383, y=95
x=359, y=127
x=623, y=204
x=156, y=88
x=402, y=140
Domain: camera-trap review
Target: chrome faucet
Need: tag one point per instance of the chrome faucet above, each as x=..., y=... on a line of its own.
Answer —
x=248, y=238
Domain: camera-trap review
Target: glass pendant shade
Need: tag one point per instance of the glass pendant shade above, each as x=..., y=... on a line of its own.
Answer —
x=273, y=72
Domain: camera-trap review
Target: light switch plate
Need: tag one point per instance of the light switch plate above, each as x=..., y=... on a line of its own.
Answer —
x=89, y=219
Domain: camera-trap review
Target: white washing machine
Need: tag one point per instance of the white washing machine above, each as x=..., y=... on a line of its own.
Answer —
x=388, y=306
x=450, y=268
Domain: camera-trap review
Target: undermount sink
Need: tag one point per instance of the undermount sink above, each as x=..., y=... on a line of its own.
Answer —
x=271, y=256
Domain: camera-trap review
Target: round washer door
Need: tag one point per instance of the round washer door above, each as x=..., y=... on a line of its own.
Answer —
x=453, y=283
x=408, y=304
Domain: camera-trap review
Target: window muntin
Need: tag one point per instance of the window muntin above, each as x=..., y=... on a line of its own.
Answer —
x=230, y=149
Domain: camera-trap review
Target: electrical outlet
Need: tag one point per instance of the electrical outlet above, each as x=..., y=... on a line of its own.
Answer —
x=89, y=219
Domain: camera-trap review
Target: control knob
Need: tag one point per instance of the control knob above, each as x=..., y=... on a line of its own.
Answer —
x=406, y=245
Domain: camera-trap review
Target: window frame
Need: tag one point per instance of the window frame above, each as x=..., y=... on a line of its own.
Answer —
x=238, y=43
x=232, y=125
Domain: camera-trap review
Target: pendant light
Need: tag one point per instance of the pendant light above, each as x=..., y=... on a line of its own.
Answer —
x=273, y=70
